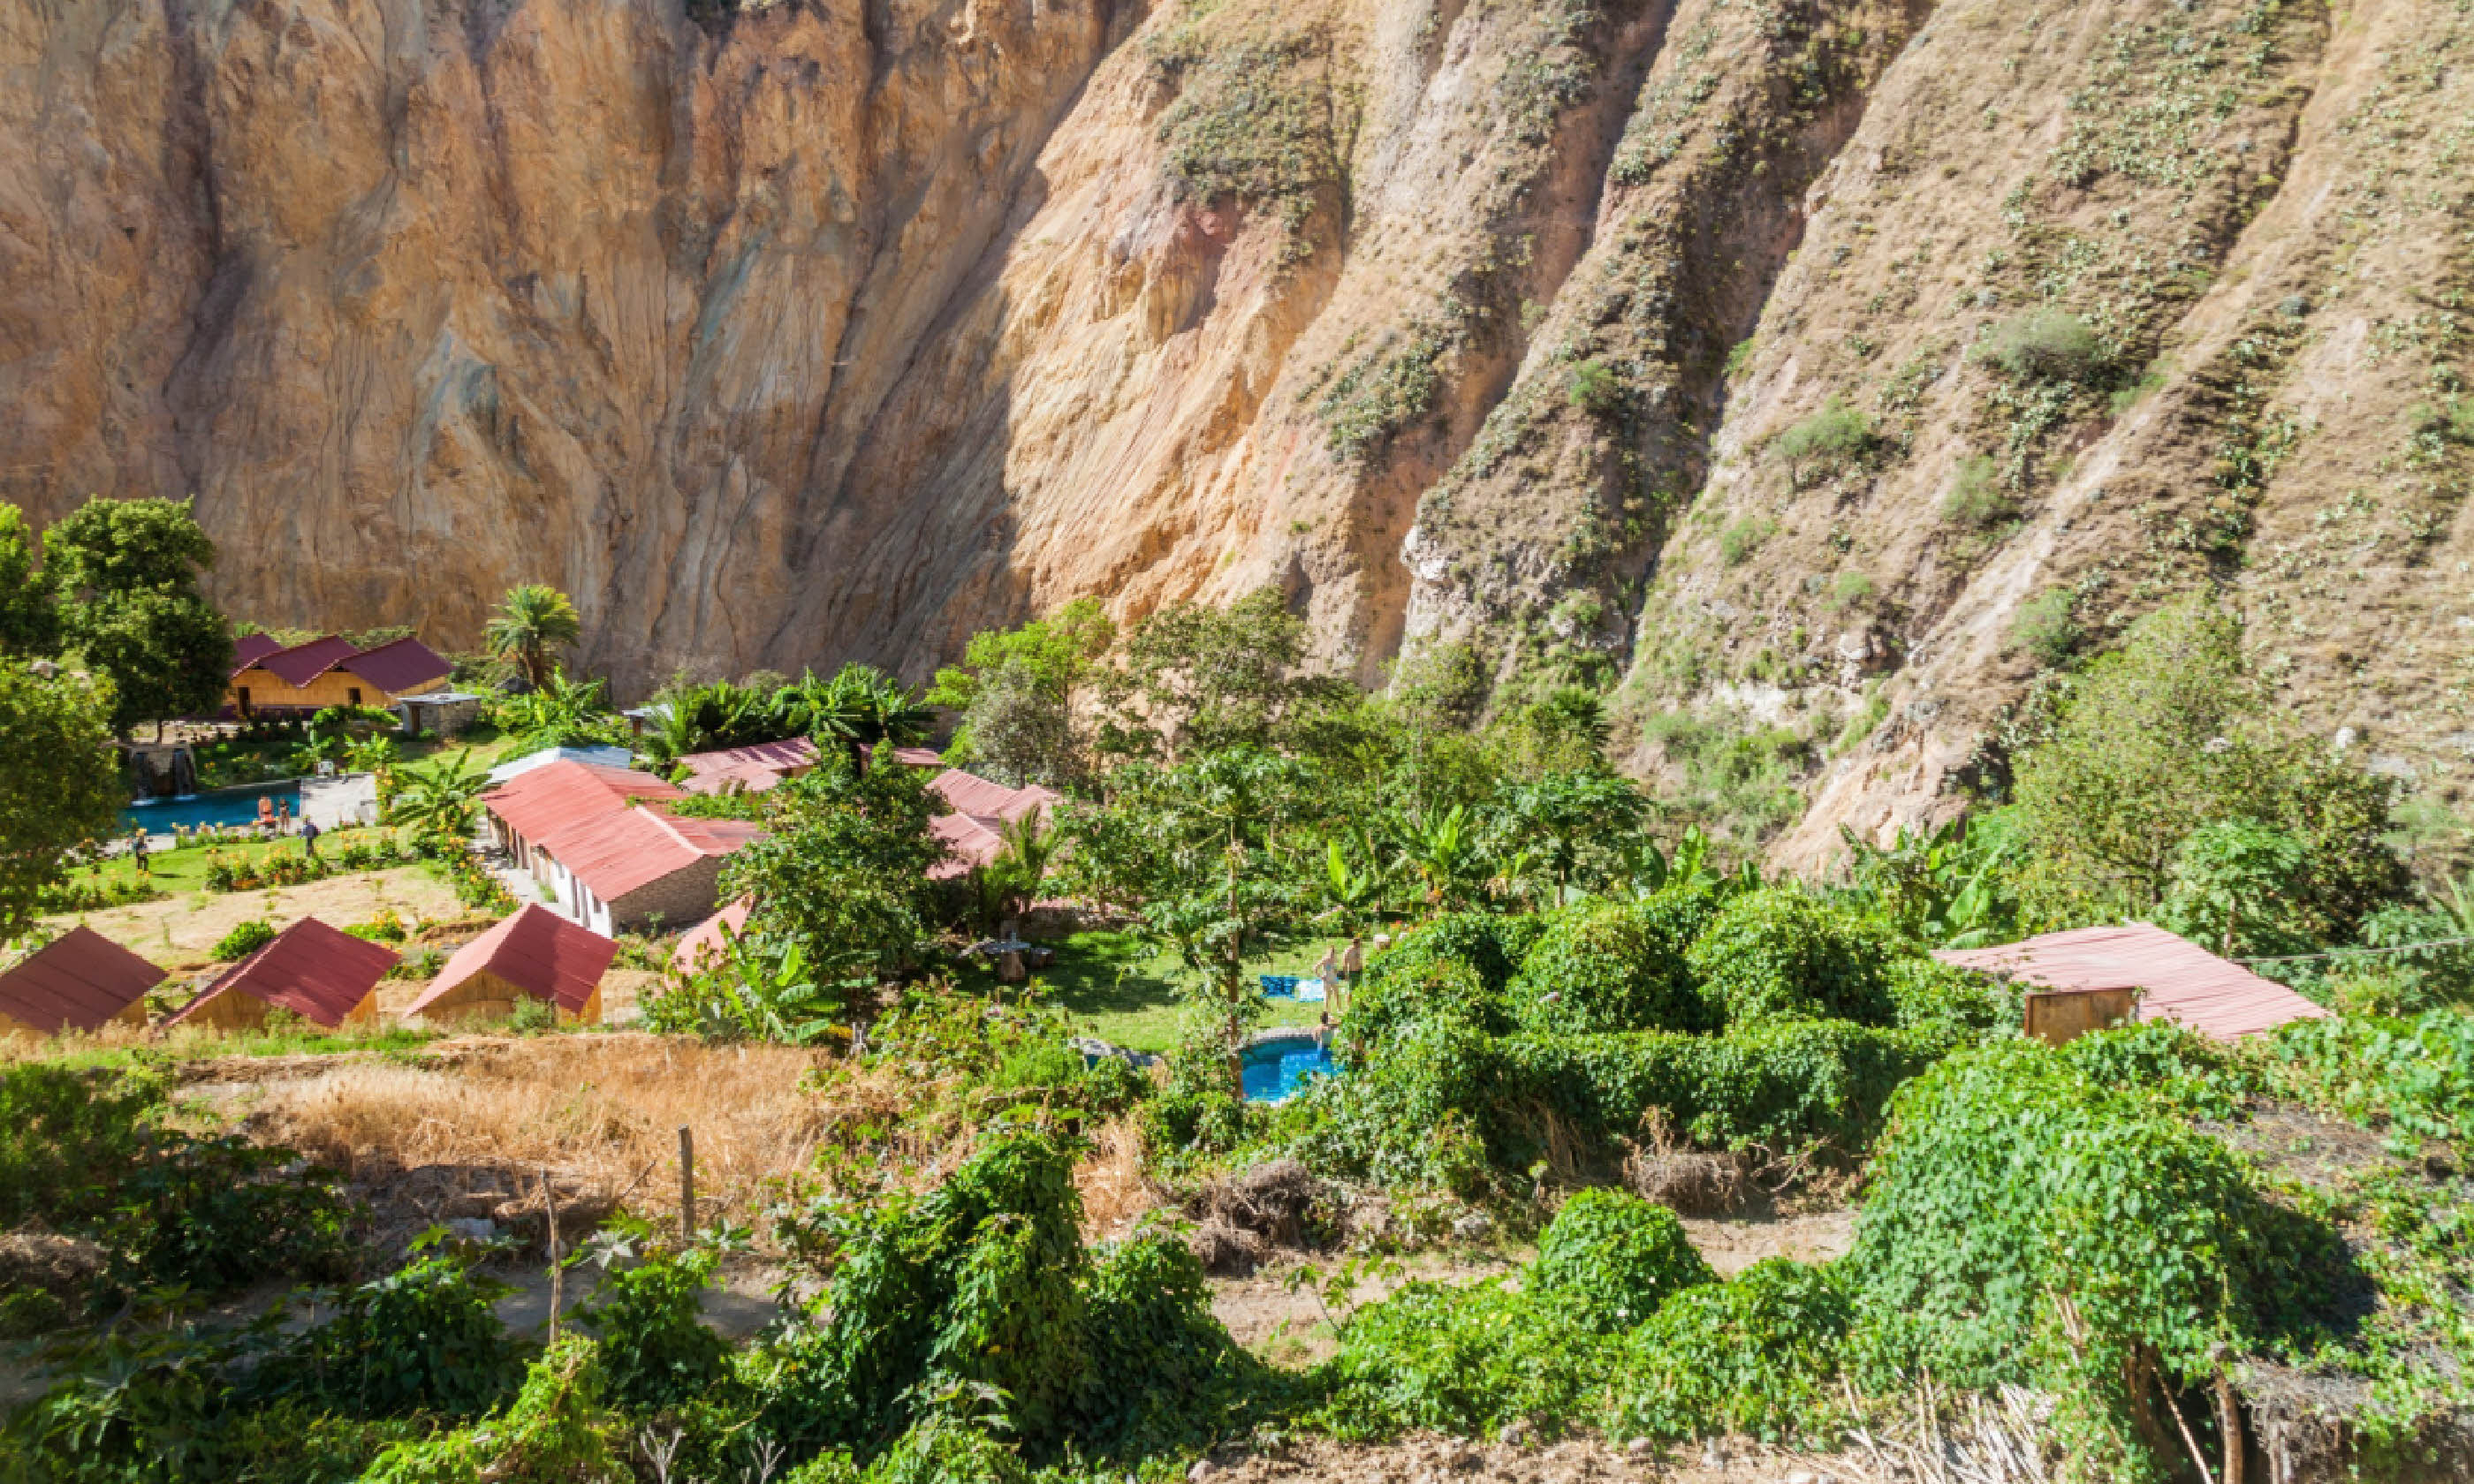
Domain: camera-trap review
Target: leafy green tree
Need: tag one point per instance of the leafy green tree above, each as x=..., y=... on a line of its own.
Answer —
x=842, y=871
x=30, y=620
x=2174, y=732
x=2232, y=888
x=60, y=783
x=533, y=622
x=1198, y=851
x=126, y=574
x=1579, y=825
x=1201, y=679
x=1016, y=689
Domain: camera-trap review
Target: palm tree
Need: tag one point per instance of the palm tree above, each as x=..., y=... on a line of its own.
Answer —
x=436, y=797
x=532, y=621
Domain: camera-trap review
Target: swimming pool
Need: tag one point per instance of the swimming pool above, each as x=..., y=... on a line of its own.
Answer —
x=1276, y=1070
x=215, y=807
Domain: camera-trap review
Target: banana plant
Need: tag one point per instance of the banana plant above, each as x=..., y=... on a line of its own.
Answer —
x=1356, y=894
x=1440, y=848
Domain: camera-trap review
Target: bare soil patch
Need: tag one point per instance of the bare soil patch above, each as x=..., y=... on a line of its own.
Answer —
x=1430, y=1460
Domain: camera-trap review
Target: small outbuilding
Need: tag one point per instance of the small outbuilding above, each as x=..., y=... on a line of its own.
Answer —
x=320, y=973
x=534, y=953
x=708, y=941
x=2090, y=977
x=80, y=981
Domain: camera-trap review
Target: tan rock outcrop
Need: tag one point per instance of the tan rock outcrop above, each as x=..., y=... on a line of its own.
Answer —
x=782, y=333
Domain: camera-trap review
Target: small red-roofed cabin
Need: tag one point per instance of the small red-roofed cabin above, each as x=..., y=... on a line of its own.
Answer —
x=533, y=954
x=268, y=678
x=320, y=973
x=80, y=981
x=2096, y=975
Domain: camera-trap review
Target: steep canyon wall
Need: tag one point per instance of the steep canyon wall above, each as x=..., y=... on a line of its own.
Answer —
x=786, y=333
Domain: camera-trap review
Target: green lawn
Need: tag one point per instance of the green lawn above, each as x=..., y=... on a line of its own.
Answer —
x=1117, y=989
x=174, y=871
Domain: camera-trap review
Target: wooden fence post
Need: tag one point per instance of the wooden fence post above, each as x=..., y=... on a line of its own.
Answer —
x=687, y=1183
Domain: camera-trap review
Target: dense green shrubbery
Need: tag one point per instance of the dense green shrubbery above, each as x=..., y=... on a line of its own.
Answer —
x=983, y=1287
x=1448, y=1104
x=2416, y=1076
x=1606, y=967
x=2029, y=1222
x=93, y=1154
x=655, y=1351
x=423, y=1338
x=1752, y=1355
x=1402, y=991
x=1609, y=1259
x=557, y=1430
x=1781, y=953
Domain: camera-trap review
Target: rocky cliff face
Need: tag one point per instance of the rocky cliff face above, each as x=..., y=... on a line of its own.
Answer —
x=1689, y=343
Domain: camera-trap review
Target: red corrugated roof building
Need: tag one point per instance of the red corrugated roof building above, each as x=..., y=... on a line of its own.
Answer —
x=600, y=841
x=2181, y=981
x=533, y=953
x=974, y=833
x=80, y=981
x=751, y=769
x=319, y=972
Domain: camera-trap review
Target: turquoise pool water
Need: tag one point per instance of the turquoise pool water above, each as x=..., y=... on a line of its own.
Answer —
x=216, y=807
x=1277, y=1069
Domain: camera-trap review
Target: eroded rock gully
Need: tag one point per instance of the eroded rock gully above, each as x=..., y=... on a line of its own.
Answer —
x=790, y=332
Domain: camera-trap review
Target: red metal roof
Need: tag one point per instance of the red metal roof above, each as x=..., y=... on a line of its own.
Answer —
x=77, y=981
x=751, y=777
x=780, y=757
x=250, y=648
x=404, y=665
x=2184, y=982
x=971, y=841
x=538, y=802
x=918, y=756
x=970, y=794
x=710, y=938
x=536, y=950
x=617, y=850
x=303, y=663
x=315, y=970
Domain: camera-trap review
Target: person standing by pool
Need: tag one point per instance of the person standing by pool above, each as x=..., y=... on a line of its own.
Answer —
x=310, y=838
x=283, y=816
x=138, y=849
x=1352, y=963
x=1327, y=968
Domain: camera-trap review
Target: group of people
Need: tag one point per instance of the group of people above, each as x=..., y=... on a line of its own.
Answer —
x=274, y=818
x=1338, y=968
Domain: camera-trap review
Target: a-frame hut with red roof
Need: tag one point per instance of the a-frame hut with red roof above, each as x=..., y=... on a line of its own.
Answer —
x=80, y=981
x=318, y=972
x=533, y=954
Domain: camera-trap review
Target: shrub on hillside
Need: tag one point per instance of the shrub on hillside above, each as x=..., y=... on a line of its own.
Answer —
x=2044, y=345
x=244, y=940
x=1604, y=967
x=423, y=1338
x=1417, y=990
x=983, y=1285
x=655, y=1351
x=1609, y=1259
x=559, y=1429
x=1753, y=1356
x=1459, y=1360
x=1927, y=994
x=1782, y=954
x=1831, y=439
